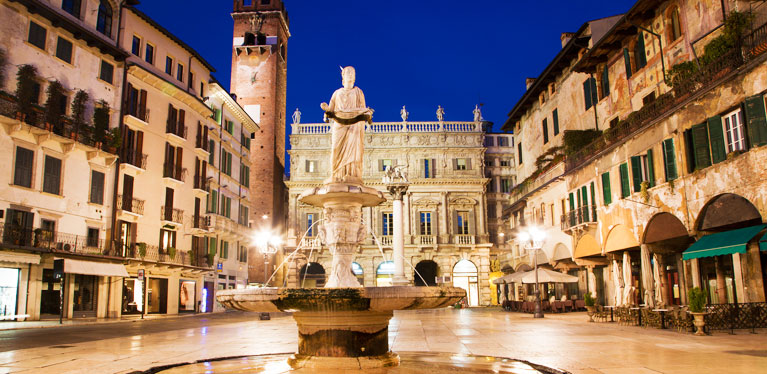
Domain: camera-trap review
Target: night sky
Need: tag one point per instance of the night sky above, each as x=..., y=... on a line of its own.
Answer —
x=418, y=53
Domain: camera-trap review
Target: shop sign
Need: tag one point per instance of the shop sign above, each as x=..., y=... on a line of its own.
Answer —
x=220, y=267
x=140, y=274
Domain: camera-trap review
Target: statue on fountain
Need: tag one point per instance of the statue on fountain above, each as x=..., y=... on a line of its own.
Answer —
x=348, y=115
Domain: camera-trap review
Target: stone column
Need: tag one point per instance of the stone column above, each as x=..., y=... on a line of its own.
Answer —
x=398, y=191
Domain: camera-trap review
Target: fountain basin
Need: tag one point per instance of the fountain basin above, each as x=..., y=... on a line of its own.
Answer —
x=341, y=327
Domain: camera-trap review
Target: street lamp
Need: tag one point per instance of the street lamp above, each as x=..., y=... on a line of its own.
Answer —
x=533, y=239
x=268, y=244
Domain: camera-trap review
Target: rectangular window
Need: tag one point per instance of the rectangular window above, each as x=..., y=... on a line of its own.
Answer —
x=310, y=166
x=605, y=82
x=243, y=216
x=625, y=188
x=92, y=240
x=425, y=223
x=167, y=240
x=72, y=7
x=52, y=175
x=733, y=127
x=212, y=153
x=229, y=127
x=639, y=51
x=64, y=50
x=107, y=72
x=169, y=65
x=503, y=141
x=505, y=185
x=224, y=250
x=213, y=202
x=310, y=219
x=22, y=174
x=489, y=163
x=606, y=193
x=97, y=187
x=489, y=141
x=627, y=62
x=545, y=126
x=383, y=164
x=180, y=73
x=136, y=46
x=519, y=152
x=387, y=226
x=428, y=168
x=462, y=222
x=460, y=164
x=505, y=162
x=641, y=170
x=149, y=55
x=37, y=35
x=227, y=207
x=701, y=146
x=756, y=120
x=245, y=175
x=669, y=159
x=555, y=121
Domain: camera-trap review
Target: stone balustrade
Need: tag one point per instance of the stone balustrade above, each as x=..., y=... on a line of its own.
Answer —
x=392, y=127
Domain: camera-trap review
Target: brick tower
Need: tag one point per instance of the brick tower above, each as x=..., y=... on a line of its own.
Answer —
x=259, y=81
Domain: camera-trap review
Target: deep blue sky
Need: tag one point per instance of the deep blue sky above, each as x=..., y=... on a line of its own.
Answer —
x=419, y=53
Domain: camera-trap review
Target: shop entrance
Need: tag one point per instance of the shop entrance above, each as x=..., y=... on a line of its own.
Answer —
x=465, y=276
x=9, y=291
x=187, y=298
x=84, y=297
x=133, y=296
x=50, y=295
x=157, y=296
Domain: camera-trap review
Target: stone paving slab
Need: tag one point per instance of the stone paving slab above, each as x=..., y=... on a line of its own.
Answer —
x=563, y=341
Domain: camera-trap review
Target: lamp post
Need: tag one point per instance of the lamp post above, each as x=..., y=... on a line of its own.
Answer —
x=533, y=238
x=268, y=244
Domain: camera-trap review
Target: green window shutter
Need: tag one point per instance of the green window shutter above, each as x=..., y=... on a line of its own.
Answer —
x=636, y=172
x=639, y=52
x=545, y=126
x=587, y=93
x=585, y=212
x=572, y=202
x=700, y=146
x=217, y=115
x=627, y=61
x=650, y=168
x=594, y=93
x=606, y=193
x=756, y=120
x=605, y=82
x=669, y=159
x=555, y=122
x=716, y=138
x=593, y=203
x=625, y=189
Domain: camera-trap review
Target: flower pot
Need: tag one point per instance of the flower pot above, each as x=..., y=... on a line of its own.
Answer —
x=590, y=309
x=699, y=322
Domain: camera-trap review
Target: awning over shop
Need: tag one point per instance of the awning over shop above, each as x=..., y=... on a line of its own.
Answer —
x=763, y=243
x=723, y=243
x=17, y=257
x=103, y=269
x=587, y=246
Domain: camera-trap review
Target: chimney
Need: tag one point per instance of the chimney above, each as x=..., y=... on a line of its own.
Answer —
x=529, y=82
x=566, y=36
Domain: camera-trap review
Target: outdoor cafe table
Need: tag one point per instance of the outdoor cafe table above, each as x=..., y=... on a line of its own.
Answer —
x=662, y=317
x=611, y=307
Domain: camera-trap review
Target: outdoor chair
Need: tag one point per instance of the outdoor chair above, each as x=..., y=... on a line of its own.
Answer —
x=557, y=307
x=600, y=314
x=621, y=314
x=567, y=305
x=580, y=304
x=683, y=320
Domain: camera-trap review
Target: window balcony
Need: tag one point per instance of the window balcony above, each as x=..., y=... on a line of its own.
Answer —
x=130, y=205
x=386, y=240
x=138, y=119
x=201, y=184
x=175, y=132
x=54, y=241
x=579, y=219
x=133, y=158
x=201, y=145
x=153, y=253
x=427, y=239
x=174, y=172
x=201, y=222
x=463, y=239
x=310, y=243
x=170, y=214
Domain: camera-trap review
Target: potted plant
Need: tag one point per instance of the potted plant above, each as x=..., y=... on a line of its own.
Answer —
x=211, y=256
x=115, y=140
x=590, y=305
x=172, y=252
x=141, y=249
x=697, y=300
x=25, y=92
x=3, y=61
x=78, y=112
x=54, y=111
x=101, y=122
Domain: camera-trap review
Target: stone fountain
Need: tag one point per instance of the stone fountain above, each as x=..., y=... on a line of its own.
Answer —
x=343, y=325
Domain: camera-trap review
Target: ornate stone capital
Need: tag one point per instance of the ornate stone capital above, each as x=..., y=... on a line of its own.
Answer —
x=397, y=190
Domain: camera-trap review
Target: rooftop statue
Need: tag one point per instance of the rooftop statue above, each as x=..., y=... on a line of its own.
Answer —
x=347, y=114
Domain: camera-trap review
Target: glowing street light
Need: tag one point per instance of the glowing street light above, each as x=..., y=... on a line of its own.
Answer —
x=533, y=238
x=268, y=244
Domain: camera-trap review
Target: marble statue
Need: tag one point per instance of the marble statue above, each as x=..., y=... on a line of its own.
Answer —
x=404, y=113
x=348, y=114
x=477, y=114
x=297, y=117
x=440, y=113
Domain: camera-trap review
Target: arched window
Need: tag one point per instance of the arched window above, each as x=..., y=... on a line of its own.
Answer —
x=675, y=28
x=104, y=20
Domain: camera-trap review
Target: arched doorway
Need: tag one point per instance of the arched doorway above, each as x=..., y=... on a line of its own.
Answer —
x=312, y=275
x=428, y=271
x=384, y=274
x=465, y=276
x=358, y=273
x=666, y=237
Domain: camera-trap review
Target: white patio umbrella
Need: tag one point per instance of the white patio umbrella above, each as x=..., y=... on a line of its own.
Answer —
x=548, y=276
x=656, y=277
x=510, y=278
x=628, y=287
x=618, y=281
